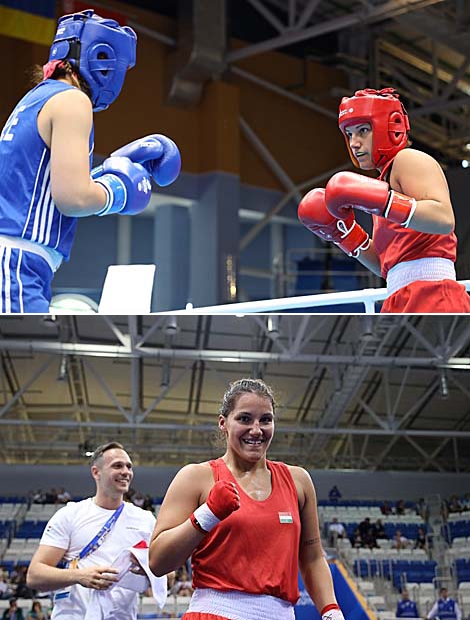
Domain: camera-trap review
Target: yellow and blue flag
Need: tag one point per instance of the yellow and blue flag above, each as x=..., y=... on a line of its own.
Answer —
x=28, y=20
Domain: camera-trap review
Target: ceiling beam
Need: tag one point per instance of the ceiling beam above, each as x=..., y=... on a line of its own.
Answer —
x=121, y=352
x=389, y=10
x=280, y=429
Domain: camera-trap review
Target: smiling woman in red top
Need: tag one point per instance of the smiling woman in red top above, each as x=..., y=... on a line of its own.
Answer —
x=248, y=523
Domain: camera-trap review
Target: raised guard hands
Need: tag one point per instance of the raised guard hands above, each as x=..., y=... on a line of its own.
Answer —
x=158, y=154
x=347, y=190
x=345, y=232
x=127, y=185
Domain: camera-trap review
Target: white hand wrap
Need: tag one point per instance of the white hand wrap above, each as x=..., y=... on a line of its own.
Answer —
x=205, y=518
x=332, y=613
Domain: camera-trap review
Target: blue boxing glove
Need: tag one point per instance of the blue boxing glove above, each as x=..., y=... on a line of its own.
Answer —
x=158, y=154
x=127, y=185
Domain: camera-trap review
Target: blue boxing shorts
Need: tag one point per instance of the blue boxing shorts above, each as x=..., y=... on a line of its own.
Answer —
x=25, y=282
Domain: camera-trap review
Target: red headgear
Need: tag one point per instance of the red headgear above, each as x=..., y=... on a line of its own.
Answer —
x=387, y=116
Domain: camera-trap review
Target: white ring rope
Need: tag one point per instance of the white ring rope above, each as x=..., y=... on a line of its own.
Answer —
x=367, y=297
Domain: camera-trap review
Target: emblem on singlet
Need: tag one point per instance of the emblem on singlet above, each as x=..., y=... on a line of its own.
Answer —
x=285, y=517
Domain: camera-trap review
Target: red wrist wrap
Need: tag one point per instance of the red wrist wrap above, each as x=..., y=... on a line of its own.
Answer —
x=400, y=208
x=328, y=607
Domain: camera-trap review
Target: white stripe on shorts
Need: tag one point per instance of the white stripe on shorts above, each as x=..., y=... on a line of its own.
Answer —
x=7, y=282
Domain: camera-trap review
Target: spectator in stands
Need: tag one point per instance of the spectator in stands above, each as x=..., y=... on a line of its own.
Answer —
x=356, y=539
x=379, y=529
x=406, y=608
x=148, y=503
x=465, y=502
x=129, y=495
x=335, y=530
x=422, y=509
x=334, y=495
x=171, y=578
x=369, y=540
x=421, y=541
x=445, y=509
x=13, y=612
x=22, y=590
x=63, y=496
x=445, y=608
x=51, y=496
x=453, y=504
x=182, y=585
x=399, y=541
x=87, y=537
x=13, y=575
x=364, y=527
x=400, y=507
x=386, y=509
x=36, y=612
x=39, y=497
x=138, y=499
x=5, y=588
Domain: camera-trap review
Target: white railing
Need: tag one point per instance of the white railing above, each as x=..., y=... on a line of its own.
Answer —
x=368, y=297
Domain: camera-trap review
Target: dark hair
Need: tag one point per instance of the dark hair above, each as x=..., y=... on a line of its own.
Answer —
x=64, y=69
x=100, y=450
x=245, y=386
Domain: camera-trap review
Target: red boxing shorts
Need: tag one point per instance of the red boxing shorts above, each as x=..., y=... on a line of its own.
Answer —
x=423, y=297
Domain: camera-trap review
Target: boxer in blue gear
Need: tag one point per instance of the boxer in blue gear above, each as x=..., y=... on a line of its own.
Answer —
x=46, y=150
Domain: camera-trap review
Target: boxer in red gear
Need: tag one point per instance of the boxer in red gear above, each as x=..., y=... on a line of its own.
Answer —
x=413, y=242
x=264, y=525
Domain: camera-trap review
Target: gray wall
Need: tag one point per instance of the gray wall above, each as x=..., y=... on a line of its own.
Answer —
x=390, y=484
x=17, y=480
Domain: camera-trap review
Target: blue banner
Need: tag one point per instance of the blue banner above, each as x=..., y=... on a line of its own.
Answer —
x=351, y=602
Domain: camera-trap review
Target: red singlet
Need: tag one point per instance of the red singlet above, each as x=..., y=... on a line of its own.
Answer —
x=256, y=548
x=395, y=244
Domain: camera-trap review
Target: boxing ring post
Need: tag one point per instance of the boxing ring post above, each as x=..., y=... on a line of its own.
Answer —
x=368, y=297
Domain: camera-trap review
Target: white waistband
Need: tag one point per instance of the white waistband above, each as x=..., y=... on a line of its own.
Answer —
x=429, y=269
x=52, y=257
x=240, y=605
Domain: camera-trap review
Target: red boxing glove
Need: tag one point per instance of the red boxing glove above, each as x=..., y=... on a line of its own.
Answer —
x=222, y=500
x=348, y=190
x=346, y=233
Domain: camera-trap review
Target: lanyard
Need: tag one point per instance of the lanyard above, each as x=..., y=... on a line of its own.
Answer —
x=97, y=540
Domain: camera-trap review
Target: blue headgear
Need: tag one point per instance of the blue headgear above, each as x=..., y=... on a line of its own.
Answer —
x=100, y=49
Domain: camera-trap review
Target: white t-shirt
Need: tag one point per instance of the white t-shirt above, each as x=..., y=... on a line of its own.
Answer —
x=72, y=528
x=336, y=527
